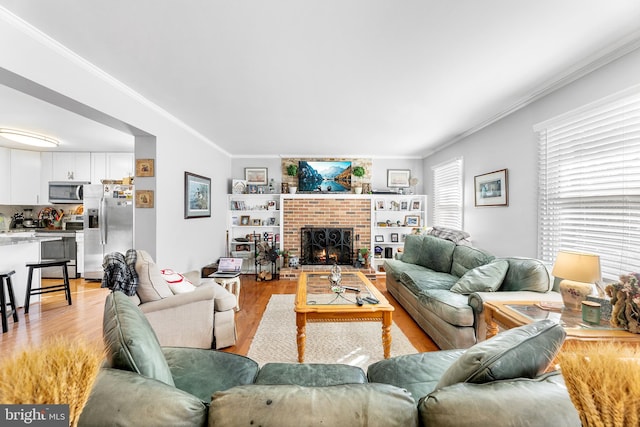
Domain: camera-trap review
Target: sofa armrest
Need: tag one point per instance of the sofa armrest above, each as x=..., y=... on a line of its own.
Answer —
x=193, y=276
x=202, y=293
x=224, y=299
x=543, y=401
x=123, y=398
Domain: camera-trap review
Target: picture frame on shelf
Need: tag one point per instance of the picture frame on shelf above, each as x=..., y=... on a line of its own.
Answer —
x=394, y=237
x=416, y=204
x=381, y=205
x=197, y=196
x=252, y=189
x=492, y=189
x=238, y=186
x=379, y=238
x=144, y=167
x=404, y=205
x=271, y=205
x=244, y=220
x=412, y=220
x=256, y=176
x=257, y=222
x=398, y=178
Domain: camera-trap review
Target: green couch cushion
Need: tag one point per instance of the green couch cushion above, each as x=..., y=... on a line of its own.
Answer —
x=412, y=248
x=370, y=404
x=449, y=306
x=130, y=342
x=419, y=281
x=395, y=268
x=417, y=373
x=202, y=372
x=466, y=258
x=123, y=398
x=523, y=352
x=526, y=274
x=485, y=278
x=310, y=374
x=436, y=254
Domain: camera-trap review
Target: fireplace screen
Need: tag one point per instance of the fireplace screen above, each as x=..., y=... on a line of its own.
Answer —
x=326, y=246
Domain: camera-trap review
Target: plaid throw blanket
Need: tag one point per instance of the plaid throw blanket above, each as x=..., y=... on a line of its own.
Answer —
x=449, y=233
x=120, y=272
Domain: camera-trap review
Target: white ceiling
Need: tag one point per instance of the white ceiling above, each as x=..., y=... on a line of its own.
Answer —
x=336, y=77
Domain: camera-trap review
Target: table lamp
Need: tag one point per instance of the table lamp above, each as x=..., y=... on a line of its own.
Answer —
x=579, y=272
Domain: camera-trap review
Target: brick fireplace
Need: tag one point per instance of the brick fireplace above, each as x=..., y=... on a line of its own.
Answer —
x=331, y=211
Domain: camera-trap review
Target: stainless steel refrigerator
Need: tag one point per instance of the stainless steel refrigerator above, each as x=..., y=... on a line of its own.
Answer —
x=108, y=224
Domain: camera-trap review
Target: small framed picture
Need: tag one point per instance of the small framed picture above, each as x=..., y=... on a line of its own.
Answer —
x=144, y=167
x=238, y=186
x=272, y=221
x=253, y=189
x=379, y=238
x=197, y=196
x=244, y=220
x=398, y=178
x=404, y=205
x=381, y=205
x=144, y=198
x=257, y=222
x=271, y=205
x=492, y=189
x=412, y=220
x=394, y=237
x=256, y=176
x=416, y=204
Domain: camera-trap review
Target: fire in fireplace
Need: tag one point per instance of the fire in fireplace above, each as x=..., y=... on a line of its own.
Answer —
x=326, y=246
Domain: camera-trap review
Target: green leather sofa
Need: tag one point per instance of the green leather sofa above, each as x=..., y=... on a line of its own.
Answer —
x=443, y=286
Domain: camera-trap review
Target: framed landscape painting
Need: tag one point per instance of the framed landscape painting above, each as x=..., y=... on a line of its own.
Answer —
x=197, y=196
x=256, y=176
x=492, y=189
x=398, y=178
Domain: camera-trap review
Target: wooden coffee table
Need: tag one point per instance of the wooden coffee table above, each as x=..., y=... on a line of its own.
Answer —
x=316, y=302
x=511, y=314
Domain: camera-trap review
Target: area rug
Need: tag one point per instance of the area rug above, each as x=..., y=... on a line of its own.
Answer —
x=351, y=343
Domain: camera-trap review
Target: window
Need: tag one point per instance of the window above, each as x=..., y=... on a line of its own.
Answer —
x=589, y=184
x=447, y=194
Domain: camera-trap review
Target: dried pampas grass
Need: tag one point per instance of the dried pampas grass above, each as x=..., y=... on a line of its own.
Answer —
x=60, y=371
x=603, y=380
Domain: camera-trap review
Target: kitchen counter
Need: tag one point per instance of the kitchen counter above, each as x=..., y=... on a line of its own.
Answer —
x=7, y=239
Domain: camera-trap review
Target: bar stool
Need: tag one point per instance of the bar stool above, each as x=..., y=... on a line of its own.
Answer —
x=5, y=277
x=52, y=288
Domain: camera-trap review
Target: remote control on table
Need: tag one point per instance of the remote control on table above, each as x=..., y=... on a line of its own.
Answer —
x=371, y=300
x=359, y=301
x=351, y=288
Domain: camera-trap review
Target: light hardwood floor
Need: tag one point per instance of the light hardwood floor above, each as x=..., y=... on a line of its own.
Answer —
x=53, y=317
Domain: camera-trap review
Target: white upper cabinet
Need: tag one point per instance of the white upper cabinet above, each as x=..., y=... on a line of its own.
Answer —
x=5, y=176
x=119, y=165
x=46, y=175
x=98, y=167
x=25, y=177
x=71, y=167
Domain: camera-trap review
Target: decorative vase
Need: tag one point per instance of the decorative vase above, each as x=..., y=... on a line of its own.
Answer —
x=358, y=190
x=573, y=293
x=292, y=190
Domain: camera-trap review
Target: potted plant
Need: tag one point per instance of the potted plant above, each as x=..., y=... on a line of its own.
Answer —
x=358, y=172
x=292, y=170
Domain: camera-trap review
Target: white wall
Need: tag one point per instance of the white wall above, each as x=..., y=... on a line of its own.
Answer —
x=511, y=143
x=181, y=244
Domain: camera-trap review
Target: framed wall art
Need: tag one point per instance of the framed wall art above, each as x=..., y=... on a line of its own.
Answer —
x=144, y=198
x=256, y=176
x=492, y=189
x=394, y=237
x=379, y=238
x=398, y=178
x=197, y=196
x=144, y=167
x=412, y=220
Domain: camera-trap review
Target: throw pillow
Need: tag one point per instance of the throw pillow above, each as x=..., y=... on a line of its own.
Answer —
x=412, y=248
x=151, y=285
x=486, y=278
x=523, y=352
x=177, y=282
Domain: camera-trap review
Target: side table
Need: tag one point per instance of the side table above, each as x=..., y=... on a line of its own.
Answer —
x=232, y=285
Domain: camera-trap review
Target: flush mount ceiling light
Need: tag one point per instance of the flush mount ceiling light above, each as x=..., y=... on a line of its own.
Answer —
x=29, y=138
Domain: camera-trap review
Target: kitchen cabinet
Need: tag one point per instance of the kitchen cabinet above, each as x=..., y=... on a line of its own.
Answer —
x=393, y=217
x=5, y=176
x=46, y=175
x=111, y=166
x=71, y=167
x=98, y=167
x=25, y=177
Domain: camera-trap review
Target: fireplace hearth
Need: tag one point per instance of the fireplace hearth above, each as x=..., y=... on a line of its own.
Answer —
x=326, y=245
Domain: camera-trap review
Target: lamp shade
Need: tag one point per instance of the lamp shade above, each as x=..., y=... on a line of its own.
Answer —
x=580, y=267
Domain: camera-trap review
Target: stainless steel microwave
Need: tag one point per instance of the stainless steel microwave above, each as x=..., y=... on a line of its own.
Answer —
x=66, y=191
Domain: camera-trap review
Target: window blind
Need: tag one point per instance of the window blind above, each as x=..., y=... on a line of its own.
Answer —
x=589, y=184
x=447, y=194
